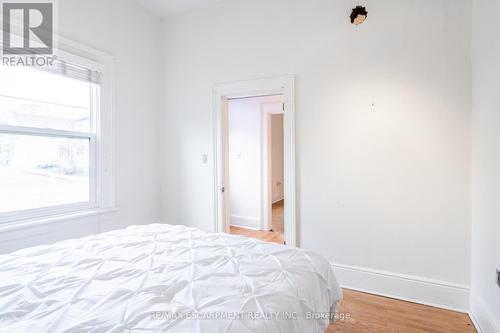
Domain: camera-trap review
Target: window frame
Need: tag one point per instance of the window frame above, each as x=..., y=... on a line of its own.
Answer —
x=101, y=141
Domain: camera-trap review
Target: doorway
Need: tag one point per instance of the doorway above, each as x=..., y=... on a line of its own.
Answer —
x=254, y=171
x=255, y=163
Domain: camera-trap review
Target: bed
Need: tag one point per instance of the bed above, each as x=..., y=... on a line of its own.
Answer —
x=163, y=278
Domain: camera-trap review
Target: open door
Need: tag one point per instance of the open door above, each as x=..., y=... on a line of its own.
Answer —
x=223, y=94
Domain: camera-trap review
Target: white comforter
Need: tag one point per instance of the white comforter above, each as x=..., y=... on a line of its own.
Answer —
x=162, y=278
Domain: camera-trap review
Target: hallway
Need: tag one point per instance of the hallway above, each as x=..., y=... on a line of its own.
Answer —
x=275, y=236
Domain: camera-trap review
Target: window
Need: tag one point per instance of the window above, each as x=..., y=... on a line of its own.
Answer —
x=48, y=131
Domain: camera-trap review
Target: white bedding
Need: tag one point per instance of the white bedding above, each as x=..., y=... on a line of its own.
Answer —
x=162, y=278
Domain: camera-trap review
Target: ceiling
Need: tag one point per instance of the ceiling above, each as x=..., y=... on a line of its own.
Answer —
x=166, y=8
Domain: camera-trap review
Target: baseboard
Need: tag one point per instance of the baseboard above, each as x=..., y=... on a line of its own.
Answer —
x=244, y=227
x=482, y=317
x=245, y=222
x=404, y=287
x=476, y=324
x=278, y=200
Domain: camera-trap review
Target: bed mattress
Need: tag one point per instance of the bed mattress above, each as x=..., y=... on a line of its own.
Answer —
x=163, y=278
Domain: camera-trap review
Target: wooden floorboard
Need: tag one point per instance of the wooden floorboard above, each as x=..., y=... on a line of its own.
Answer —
x=278, y=214
x=266, y=236
x=275, y=236
x=370, y=313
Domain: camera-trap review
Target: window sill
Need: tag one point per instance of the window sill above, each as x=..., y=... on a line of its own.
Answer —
x=30, y=223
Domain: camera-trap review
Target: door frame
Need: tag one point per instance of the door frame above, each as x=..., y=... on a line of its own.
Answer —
x=221, y=93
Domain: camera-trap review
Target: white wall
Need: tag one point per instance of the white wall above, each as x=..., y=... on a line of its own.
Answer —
x=485, y=293
x=277, y=158
x=129, y=33
x=245, y=161
x=383, y=123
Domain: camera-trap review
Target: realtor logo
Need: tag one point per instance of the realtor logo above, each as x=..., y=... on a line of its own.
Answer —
x=28, y=28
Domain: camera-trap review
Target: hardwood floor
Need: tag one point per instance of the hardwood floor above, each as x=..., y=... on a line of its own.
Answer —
x=266, y=236
x=279, y=216
x=275, y=236
x=375, y=314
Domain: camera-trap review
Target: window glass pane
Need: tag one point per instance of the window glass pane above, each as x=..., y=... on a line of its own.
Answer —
x=34, y=98
x=38, y=172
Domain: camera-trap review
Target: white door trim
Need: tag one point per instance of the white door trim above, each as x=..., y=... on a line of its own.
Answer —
x=252, y=88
